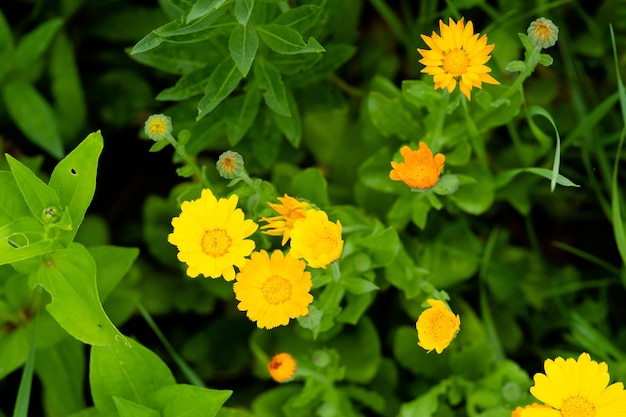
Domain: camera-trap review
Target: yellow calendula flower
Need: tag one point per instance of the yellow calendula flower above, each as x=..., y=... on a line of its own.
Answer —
x=316, y=239
x=457, y=55
x=577, y=388
x=437, y=326
x=420, y=169
x=289, y=210
x=518, y=411
x=273, y=289
x=282, y=367
x=211, y=234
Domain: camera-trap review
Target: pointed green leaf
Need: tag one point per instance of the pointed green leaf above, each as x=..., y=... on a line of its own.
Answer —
x=148, y=42
x=69, y=276
x=285, y=40
x=357, y=285
x=112, y=263
x=6, y=36
x=22, y=239
x=240, y=113
x=203, y=8
x=74, y=177
x=35, y=43
x=182, y=400
x=34, y=116
x=270, y=80
x=300, y=18
x=126, y=370
x=291, y=126
x=222, y=82
x=127, y=408
x=243, y=10
x=13, y=205
x=189, y=85
x=243, y=44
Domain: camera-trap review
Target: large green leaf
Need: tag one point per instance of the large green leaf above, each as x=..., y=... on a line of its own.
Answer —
x=74, y=178
x=34, y=116
x=221, y=83
x=189, y=85
x=69, y=275
x=35, y=43
x=270, y=80
x=285, y=40
x=300, y=18
x=203, y=8
x=127, y=408
x=24, y=238
x=183, y=400
x=128, y=370
x=112, y=263
x=13, y=205
x=243, y=10
x=291, y=126
x=243, y=44
x=240, y=112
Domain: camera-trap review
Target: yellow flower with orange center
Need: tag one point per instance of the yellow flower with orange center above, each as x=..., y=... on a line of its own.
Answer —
x=316, y=239
x=457, y=55
x=420, y=169
x=282, y=367
x=211, y=234
x=289, y=210
x=577, y=388
x=273, y=289
x=437, y=326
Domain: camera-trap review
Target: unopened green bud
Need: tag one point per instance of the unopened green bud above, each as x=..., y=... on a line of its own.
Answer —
x=50, y=214
x=230, y=165
x=158, y=127
x=543, y=33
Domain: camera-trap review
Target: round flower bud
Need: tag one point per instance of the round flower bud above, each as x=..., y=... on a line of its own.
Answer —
x=543, y=33
x=230, y=165
x=158, y=127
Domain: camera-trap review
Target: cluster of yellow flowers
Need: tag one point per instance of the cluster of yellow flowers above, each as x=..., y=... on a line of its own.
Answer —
x=212, y=239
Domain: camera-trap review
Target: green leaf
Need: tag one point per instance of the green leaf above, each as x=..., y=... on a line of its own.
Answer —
x=540, y=111
x=74, y=178
x=243, y=10
x=475, y=197
x=189, y=85
x=147, y=43
x=285, y=40
x=505, y=177
x=37, y=195
x=243, y=44
x=157, y=146
x=391, y=117
x=310, y=184
x=357, y=285
x=6, y=37
x=13, y=205
x=240, y=112
x=203, y=8
x=183, y=400
x=516, y=66
x=127, y=408
x=270, y=80
x=69, y=276
x=447, y=184
x=383, y=244
x=26, y=381
x=300, y=18
x=34, y=116
x=221, y=83
x=112, y=263
x=35, y=43
x=128, y=370
x=291, y=126
x=22, y=239
x=360, y=351
x=545, y=60
x=335, y=56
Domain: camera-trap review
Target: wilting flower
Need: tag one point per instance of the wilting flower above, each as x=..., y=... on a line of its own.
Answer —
x=316, y=239
x=211, y=234
x=282, y=367
x=518, y=411
x=543, y=33
x=273, y=289
x=577, y=388
x=437, y=326
x=289, y=211
x=229, y=165
x=420, y=170
x=158, y=126
x=457, y=55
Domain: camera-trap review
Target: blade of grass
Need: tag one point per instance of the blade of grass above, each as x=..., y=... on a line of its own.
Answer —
x=587, y=256
x=616, y=210
x=540, y=111
x=485, y=311
x=189, y=373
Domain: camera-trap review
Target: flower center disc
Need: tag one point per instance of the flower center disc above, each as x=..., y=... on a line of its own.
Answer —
x=441, y=326
x=455, y=62
x=577, y=407
x=276, y=290
x=216, y=243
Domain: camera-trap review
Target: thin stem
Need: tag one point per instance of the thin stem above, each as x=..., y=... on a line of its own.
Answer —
x=180, y=150
x=335, y=270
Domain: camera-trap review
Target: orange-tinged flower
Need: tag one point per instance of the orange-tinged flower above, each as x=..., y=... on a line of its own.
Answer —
x=437, y=326
x=282, y=367
x=420, y=170
x=457, y=55
x=289, y=210
x=316, y=239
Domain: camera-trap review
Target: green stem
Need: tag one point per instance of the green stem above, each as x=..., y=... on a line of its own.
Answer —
x=477, y=143
x=336, y=271
x=531, y=64
x=180, y=150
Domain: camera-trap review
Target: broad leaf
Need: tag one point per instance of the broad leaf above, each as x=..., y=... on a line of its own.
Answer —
x=35, y=43
x=270, y=80
x=222, y=82
x=243, y=44
x=300, y=18
x=183, y=400
x=13, y=205
x=285, y=40
x=240, y=113
x=243, y=10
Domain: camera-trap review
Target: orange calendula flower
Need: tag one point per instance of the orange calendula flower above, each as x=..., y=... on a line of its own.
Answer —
x=210, y=235
x=518, y=411
x=577, y=388
x=316, y=239
x=420, y=170
x=437, y=326
x=282, y=367
x=457, y=55
x=273, y=289
x=289, y=210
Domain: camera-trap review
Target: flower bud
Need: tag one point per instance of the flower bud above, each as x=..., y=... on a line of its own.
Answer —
x=50, y=214
x=543, y=33
x=230, y=165
x=158, y=127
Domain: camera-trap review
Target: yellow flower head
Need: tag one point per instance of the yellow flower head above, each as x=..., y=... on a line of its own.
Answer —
x=420, y=170
x=289, y=211
x=437, y=326
x=543, y=33
x=273, y=289
x=282, y=367
x=316, y=239
x=457, y=55
x=518, y=411
x=158, y=126
x=229, y=165
x=210, y=235
x=577, y=388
